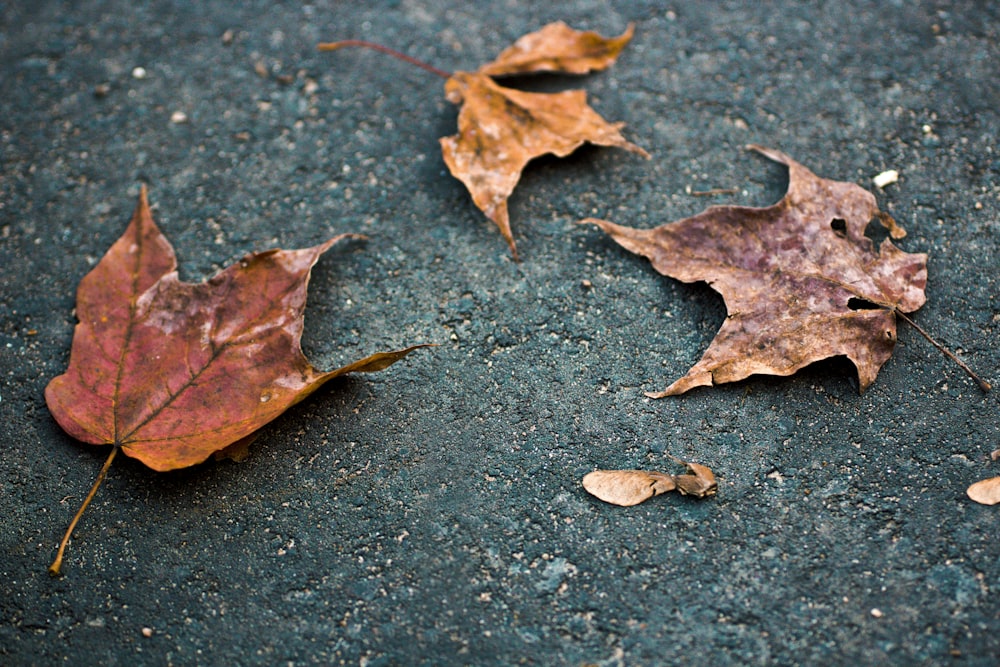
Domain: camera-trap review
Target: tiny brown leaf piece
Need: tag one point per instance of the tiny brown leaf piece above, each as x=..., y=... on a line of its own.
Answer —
x=501, y=129
x=700, y=483
x=172, y=372
x=986, y=492
x=627, y=487
x=631, y=487
x=800, y=280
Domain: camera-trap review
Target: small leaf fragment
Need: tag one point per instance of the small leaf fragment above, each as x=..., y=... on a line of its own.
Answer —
x=627, y=487
x=631, y=487
x=985, y=492
x=888, y=222
x=700, y=483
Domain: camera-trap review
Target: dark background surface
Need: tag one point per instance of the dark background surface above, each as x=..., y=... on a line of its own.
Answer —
x=432, y=513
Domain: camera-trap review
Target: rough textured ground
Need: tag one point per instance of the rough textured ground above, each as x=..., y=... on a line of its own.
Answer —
x=432, y=514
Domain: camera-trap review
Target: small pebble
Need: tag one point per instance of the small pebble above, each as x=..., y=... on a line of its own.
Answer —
x=877, y=613
x=101, y=90
x=886, y=178
x=139, y=73
x=147, y=632
x=178, y=117
x=227, y=37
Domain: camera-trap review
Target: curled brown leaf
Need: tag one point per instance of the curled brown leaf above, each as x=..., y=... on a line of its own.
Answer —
x=700, y=483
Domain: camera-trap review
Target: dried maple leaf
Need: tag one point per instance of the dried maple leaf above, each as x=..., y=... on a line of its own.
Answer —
x=171, y=372
x=800, y=280
x=501, y=129
x=631, y=487
x=985, y=492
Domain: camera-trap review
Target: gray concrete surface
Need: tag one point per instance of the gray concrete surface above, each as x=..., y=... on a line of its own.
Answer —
x=432, y=514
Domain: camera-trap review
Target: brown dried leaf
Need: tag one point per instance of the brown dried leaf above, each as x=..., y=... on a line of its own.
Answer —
x=700, y=483
x=627, y=487
x=985, y=492
x=559, y=48
x=800, y=280
x=501, y=129
x=172, y=372
x=631, y=487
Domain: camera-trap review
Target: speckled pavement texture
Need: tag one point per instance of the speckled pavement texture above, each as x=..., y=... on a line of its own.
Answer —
x=432, y=513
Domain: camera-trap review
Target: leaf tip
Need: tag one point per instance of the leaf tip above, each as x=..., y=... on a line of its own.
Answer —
x=638, y=150
x=889, y=223
x=770, y=153
x=596, y=222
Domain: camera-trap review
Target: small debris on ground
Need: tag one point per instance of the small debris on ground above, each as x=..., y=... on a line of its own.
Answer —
x=985, y=492
x=631, y=487
x=886, y=178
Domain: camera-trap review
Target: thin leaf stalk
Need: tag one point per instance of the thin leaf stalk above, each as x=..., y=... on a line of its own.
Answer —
x=333, y=46
x=56, y=566
x=983, y=384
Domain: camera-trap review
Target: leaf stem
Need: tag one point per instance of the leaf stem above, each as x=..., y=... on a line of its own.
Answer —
x=714, y=191
x=983, y=384
x=333, y=46
x=57, y=563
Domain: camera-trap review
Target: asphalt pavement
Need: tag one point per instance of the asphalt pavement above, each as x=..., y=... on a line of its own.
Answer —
x=433, y=513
